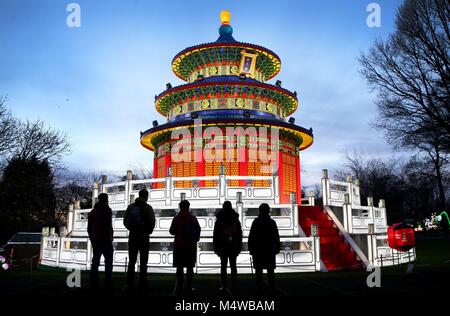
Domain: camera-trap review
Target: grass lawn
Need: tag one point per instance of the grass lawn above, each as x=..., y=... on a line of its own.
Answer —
x=431, y=276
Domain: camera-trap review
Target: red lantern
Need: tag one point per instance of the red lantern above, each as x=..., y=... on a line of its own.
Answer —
x=401, y=237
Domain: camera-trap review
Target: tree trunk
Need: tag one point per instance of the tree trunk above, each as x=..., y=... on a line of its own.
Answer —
x=438, y=170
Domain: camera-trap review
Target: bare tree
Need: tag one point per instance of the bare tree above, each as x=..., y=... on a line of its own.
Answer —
x=379, y=178
x=35, y=139
x=8, y=129
x=435, y=165
x=141, y=172
x=71, y=186
x=410, y=72
x=81, y=178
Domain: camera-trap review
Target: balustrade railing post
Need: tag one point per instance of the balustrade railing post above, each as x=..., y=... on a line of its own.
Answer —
x=317, y=253
x=70, y=219
x=276, y=187
x=316, y=244
x=222, y=184
x=349, y=180
x=128, y=186
x=356, y=184
x=58, y=250
x=382, y=207
x=370, y=250
x=77, y=208
x=94, y=192
x=88, y=254
x=294, y=213
x=372, y=209
x=44, y=241
x=311, y=196
x=347, y=214
x=104, y=181
x=325, y=182
x=240, y=207
x=168, y=191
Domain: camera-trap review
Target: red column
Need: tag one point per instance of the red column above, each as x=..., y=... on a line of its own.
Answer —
x=297, y=177
x=198, y=154
x=155, y=167
x=167, y=162
x=281, y=177
x=243, y=165
x=200, y=167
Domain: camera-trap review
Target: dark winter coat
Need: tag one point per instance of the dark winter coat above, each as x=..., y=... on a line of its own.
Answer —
x=186, y=230
x=100, y=228
x=227, y=238
x=264, y=242
x=146, y=219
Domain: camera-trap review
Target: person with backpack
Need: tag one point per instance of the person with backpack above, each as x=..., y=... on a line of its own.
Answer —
x=264, y=245
x=186, y=230
x=227, y=242
x=140, y=221
x=100, y=233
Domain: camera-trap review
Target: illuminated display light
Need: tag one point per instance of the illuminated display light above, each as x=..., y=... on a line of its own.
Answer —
x=225, y=16
x=195, y=91
x=215, y=93
x=200, y=56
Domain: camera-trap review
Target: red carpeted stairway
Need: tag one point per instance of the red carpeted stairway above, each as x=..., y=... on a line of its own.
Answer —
x=335, y=252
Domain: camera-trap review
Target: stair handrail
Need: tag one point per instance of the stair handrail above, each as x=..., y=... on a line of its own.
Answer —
x=347, y=236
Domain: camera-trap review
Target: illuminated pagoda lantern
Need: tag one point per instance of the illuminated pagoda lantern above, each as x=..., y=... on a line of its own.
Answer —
x=228, y=137
x=227, y=87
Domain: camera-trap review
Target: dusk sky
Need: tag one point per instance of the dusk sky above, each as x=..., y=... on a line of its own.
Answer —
x=97, y=82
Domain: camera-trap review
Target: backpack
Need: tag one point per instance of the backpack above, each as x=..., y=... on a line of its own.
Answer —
x=136, y=221
x=229, y=231
x=191, y=232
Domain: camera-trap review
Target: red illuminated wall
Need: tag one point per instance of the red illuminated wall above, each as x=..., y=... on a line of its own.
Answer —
x=288, y=170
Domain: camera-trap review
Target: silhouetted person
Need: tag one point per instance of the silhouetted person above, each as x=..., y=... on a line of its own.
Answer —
x=100, y=233
x=264, y=245
x=227, y=241
x=140, y=221
x=186, y=230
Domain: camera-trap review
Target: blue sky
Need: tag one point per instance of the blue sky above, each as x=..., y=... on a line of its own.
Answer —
x=97, y=82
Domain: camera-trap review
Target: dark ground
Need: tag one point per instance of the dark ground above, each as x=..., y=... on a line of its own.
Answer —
x=431, y=276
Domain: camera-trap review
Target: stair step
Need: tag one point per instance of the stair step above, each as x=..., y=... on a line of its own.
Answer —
x=335, y=252
x=333, y=239
x=328, y=231
x=309, y=222
x=330, y=248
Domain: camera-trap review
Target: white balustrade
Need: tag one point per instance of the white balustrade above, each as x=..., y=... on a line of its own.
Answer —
x=381, y=255
x=297, y=254
x=356, y=217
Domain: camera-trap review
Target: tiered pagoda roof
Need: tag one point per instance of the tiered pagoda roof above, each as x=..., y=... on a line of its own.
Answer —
x=219, y=92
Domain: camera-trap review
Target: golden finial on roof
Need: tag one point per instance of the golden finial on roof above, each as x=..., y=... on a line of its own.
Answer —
x=225, y=16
